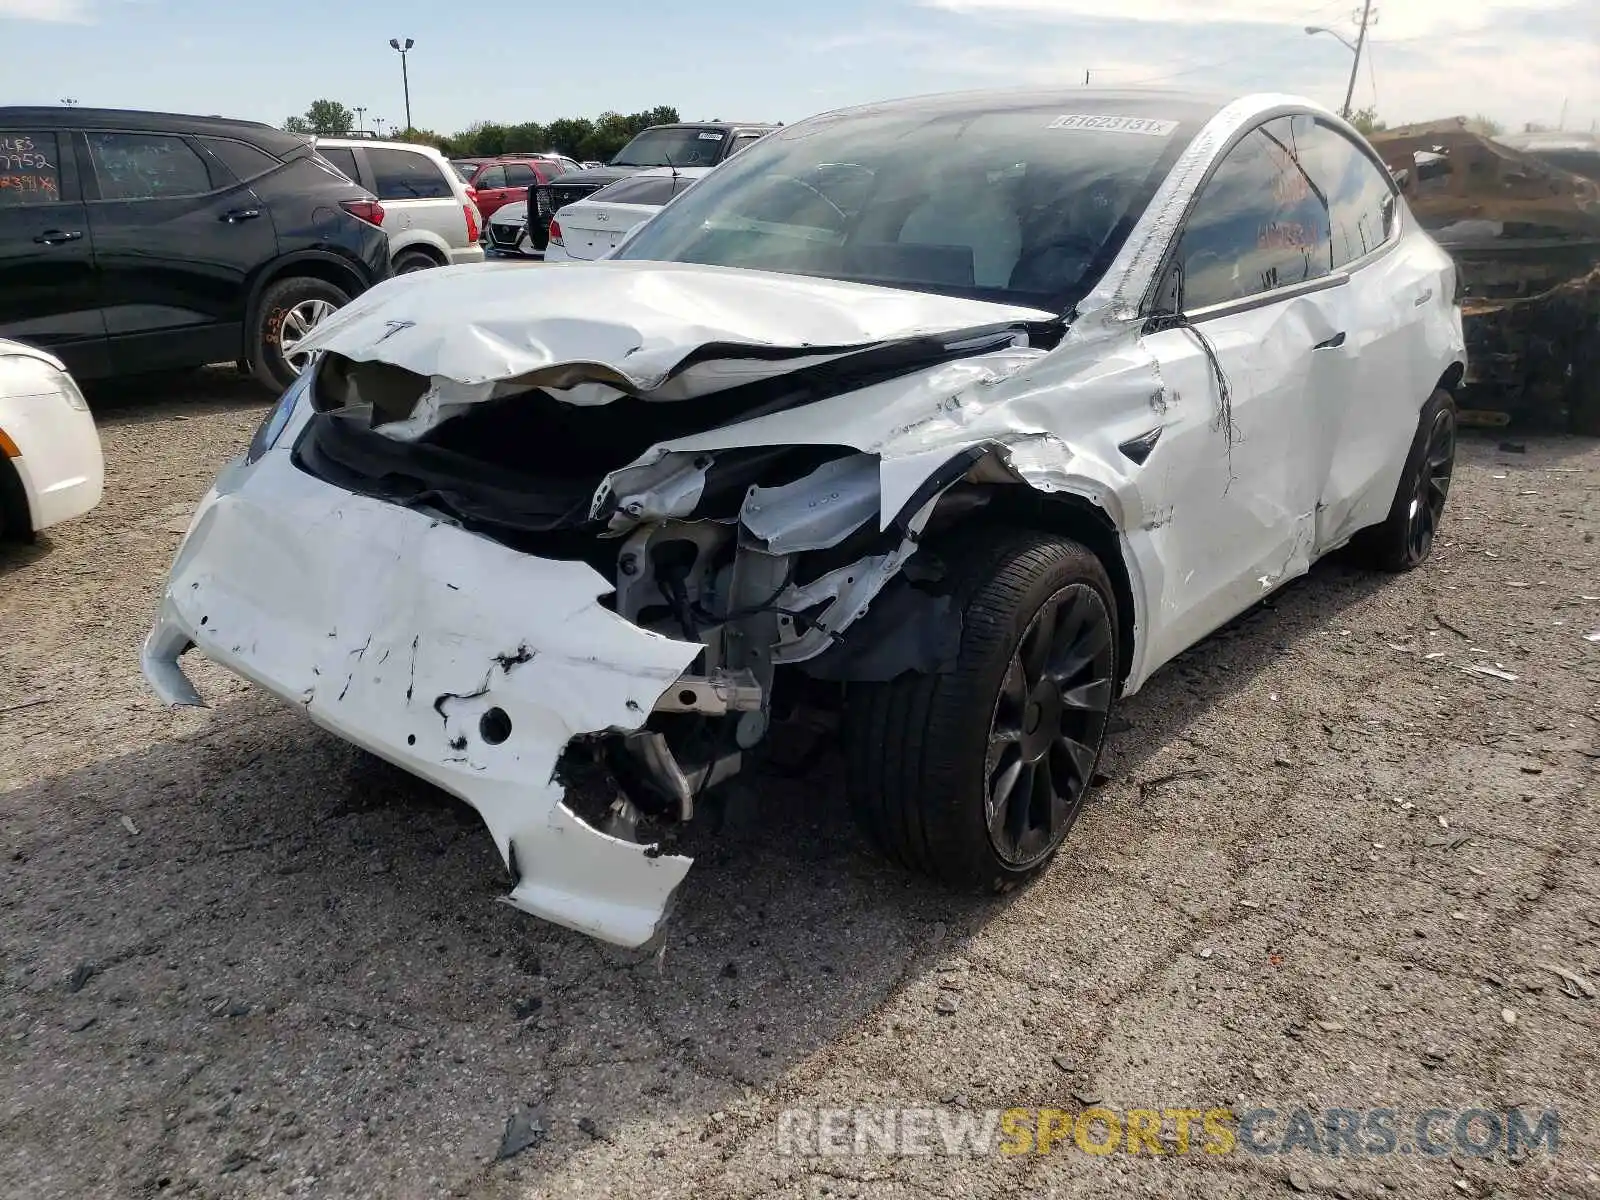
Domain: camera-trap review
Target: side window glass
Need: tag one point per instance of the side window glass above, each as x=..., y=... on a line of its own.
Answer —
x=1360, y=196
x=1261, y=223
x=743, y=140
x=492, y=177
x=343, y=158
x=246, y=162
x=30, y=171
x=402, y=175
x=146, y=166
x=519, y=175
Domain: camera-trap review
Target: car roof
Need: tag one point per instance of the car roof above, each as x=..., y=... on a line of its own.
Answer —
x=1155, y=103
x=714, y=125
x=369, y=143
x=268, y=137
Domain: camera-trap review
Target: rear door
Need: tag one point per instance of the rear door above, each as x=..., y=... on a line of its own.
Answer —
x=520, y=177
x=1398, y=288
x=490, y=188
x=48, y=291
x=177, y=238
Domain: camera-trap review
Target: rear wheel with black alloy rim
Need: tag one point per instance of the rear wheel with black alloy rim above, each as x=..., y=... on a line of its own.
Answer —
x=977, y=776
x=287, y=313
x=1405, y=539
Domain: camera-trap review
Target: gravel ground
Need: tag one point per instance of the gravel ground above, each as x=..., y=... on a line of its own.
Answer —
x=1331, y=868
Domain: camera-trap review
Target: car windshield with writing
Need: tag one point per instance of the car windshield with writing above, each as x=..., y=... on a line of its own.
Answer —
x=1024, y=199
x=676, y=146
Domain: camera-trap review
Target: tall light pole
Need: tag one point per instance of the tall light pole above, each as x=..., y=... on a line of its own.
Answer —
x=1361, y=41
x=69, y=101
x=378, y=121
x=360, y=124
x=401, y=48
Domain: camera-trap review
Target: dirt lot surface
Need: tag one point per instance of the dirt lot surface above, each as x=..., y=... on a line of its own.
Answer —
x=1331, y=868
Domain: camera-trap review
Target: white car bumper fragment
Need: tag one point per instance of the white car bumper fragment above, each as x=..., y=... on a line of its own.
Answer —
x=456, y=658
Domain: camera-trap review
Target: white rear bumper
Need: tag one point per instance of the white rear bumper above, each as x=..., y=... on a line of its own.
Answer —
x=424, y=644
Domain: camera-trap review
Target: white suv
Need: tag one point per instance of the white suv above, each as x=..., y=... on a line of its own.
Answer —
x=429, y=217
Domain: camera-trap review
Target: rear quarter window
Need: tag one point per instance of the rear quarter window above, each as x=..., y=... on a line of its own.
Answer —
x=402, y=175
x=343, y=158
x=246, y=162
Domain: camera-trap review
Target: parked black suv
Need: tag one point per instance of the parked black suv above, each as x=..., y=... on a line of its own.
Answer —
x=137, y=241
x=689, y=144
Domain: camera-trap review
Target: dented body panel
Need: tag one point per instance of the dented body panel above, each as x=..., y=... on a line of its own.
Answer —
x=1223, y=453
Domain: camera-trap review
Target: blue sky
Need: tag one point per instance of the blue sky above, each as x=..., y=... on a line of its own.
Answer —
x=1514, y=60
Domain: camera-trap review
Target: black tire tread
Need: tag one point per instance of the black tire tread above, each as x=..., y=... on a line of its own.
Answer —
x=908, y=743
x=1383, y=546
x=272, y=298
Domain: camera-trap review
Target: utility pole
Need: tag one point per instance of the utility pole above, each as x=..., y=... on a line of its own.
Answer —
x=405, y=78
x=360, y=113
x=1361, y=42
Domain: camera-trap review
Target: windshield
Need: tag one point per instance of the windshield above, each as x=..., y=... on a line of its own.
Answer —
x=1025, y=204
x=671, y=147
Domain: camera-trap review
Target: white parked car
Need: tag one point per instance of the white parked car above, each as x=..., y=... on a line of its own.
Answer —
x=51, y=468
x=594, y=226
x=429, y=217
x=960, y=415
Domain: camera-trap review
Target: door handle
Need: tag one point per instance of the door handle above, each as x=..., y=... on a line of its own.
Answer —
x=234, y=215
x=1423, y=299
x=1332, y=343
x=54, y=237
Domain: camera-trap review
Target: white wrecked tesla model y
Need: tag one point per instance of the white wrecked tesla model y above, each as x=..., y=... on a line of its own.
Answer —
x=960, y=415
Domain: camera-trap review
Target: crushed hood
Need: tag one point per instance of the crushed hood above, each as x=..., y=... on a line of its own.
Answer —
x=634, y=326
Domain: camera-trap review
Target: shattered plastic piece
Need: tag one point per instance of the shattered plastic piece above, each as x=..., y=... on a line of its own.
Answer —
x=1476, y=669
x=1574, y=984
x=523, y=1131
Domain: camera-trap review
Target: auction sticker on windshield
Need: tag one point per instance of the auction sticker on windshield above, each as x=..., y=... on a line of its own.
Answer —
x=1108, y=124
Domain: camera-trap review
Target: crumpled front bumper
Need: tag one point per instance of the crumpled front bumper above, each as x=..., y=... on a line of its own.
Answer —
x=456, y=658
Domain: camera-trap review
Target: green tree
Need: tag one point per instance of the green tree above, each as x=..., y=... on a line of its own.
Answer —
x=530, y=137
x=568, y=133
x=1486, y=125
x=1367, y=120
x=325, y=118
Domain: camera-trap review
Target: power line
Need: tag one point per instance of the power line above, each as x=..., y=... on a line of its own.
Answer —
x=1372, y=76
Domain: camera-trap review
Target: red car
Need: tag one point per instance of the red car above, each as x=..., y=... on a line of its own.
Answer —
x=500, y=181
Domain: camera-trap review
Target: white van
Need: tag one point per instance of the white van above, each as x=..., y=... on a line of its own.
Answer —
x=429, y=217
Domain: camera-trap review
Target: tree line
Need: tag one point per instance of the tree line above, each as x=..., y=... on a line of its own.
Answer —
x=583, y=138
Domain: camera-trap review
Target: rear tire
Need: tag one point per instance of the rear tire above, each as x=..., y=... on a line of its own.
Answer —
x=956, y=775
x=1405, y=538
x=287, y=312
x=408, y=261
